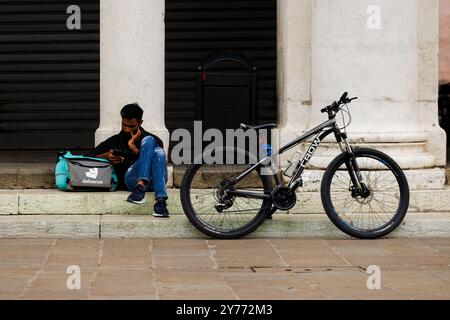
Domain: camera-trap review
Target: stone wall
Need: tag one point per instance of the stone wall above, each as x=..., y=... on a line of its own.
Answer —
x=444, y=42
x=444, y=69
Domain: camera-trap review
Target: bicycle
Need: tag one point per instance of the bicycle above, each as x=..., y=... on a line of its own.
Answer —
x=364, y=192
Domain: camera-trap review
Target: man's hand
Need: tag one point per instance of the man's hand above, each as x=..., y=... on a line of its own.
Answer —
x=111, y=157
x=132, y=141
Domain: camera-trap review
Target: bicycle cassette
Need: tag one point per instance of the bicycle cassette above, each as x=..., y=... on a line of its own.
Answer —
x=282, y=199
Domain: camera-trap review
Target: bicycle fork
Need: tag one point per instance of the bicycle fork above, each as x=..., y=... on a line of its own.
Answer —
x=353, y=170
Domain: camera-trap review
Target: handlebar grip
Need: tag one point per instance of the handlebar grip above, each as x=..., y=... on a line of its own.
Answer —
x=344, y=96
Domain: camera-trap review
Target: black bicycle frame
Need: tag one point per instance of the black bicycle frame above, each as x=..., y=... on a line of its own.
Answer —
x=321, y=131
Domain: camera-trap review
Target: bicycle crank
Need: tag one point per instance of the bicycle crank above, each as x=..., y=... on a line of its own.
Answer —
x=283, y=198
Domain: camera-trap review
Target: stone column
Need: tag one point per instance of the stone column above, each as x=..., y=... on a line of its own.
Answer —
x=428, y=78
x=326, y=48
x=444, y=41
x=132, y=56
x=293, y=71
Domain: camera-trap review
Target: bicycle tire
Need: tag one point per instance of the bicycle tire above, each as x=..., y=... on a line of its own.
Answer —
x=216, y=233
x=333, y=215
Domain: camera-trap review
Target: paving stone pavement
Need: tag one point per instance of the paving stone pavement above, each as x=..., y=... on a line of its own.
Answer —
x=265, y=269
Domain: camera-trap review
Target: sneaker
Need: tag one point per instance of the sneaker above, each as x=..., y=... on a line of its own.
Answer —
x=160, y=208
x=138, y=195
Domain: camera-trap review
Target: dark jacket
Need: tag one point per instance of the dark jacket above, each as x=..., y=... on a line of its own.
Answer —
x=120, y=141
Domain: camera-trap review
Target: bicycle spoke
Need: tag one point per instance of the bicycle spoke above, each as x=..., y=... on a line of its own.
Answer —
x=238, y=211
x=360, y=212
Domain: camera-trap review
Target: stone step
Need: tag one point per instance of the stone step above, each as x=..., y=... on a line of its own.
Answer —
x=29, y=169
x=27, y=175
x=54, y=202
x=41, y=176
x=417, y=225
x=34, y=176
x=48, y=202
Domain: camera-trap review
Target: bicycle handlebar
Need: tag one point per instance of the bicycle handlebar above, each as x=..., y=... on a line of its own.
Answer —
x=336, y=104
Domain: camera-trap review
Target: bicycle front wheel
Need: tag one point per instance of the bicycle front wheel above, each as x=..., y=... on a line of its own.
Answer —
x=375, y=213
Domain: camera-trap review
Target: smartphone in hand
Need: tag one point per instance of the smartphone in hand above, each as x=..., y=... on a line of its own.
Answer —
x=118, y=153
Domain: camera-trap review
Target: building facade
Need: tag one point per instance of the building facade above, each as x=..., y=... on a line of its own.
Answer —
x=323, y=49
x=306, y=52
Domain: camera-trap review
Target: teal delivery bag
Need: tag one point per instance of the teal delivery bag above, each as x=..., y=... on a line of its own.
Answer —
x=82, y=173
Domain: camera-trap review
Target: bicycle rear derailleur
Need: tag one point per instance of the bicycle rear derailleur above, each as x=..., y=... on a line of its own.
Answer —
x=221, y=195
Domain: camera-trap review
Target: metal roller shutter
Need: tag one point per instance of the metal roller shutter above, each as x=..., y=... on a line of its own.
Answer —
x=197, y=28
x=49, y=75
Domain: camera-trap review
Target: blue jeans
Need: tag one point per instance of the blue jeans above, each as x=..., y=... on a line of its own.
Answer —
x=150, y=167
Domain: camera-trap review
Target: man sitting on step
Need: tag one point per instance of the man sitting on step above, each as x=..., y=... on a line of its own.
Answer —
x=139, y=160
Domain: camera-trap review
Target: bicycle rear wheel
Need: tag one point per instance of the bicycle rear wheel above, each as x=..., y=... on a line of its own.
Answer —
x=371, y=215
x=206, y=204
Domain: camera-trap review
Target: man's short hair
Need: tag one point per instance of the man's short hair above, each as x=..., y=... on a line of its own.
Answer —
x=132, y=111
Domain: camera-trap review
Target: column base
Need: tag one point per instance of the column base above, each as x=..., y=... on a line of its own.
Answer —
x=418, y=179
x=411, y=150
